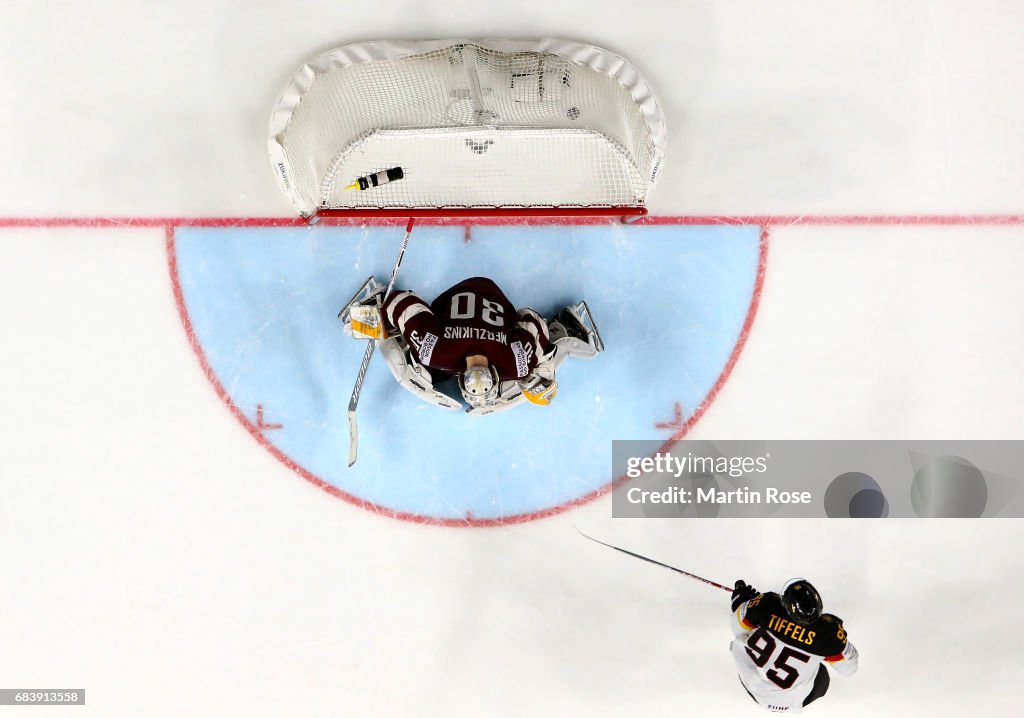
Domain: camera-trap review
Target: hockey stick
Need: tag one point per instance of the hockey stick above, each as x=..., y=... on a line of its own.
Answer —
x=353, y=428
x=657, y=563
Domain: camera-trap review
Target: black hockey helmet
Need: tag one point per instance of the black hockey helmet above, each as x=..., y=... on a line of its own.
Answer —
x=801, y=601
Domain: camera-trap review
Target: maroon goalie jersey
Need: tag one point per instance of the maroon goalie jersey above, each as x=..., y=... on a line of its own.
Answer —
x=473, y=317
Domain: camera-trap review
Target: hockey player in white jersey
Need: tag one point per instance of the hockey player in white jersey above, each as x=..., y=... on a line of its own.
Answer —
x=497, y=356
x=783, y=642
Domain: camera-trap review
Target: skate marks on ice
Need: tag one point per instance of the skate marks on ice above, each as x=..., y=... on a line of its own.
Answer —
x=260, y=305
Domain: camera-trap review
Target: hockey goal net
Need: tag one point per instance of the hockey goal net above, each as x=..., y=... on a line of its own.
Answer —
x=476, y=126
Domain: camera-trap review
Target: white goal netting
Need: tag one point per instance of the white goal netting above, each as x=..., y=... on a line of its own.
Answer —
x=472, y=123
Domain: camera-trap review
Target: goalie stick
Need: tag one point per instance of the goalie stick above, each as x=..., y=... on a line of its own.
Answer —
x=657, y=563
x=353, y=428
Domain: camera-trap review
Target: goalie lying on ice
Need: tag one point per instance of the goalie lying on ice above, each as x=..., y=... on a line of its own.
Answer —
x=499, y=357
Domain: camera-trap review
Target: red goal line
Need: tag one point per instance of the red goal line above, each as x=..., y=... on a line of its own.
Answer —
x=763, y=220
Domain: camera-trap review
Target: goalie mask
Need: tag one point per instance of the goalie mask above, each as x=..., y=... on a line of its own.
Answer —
x=479, y=385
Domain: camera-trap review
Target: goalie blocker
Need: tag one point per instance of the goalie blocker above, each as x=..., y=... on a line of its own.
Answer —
x=471, y=333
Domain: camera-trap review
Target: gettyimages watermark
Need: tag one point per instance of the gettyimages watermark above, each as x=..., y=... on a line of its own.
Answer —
x=816, y=479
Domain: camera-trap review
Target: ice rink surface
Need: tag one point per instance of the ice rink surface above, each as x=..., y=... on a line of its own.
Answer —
x=159, y=557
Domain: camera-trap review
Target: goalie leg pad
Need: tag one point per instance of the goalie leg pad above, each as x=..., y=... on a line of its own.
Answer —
x=573, y=347
x=574, y=330
x=411, y=375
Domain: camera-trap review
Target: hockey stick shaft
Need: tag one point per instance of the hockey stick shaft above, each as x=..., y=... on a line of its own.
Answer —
x=353, y=402
x=398, y=262
x=657, y=563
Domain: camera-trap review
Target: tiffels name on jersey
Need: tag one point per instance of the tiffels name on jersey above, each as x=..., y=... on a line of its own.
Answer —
x=472, y=333
x=711, y=495
x=794, y=630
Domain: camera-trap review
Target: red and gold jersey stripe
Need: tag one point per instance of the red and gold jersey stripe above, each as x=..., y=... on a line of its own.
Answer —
x=744, y=623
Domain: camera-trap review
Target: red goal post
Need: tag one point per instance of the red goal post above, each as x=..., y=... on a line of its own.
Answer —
x=478, y=128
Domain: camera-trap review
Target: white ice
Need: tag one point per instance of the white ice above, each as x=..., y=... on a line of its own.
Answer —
x=156, y=556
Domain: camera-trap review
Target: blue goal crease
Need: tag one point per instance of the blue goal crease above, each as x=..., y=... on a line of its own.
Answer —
x=670, y=302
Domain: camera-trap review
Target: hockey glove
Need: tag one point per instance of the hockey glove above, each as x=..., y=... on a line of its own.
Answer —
x=540, y=392
x=741, y=593
x=367, y=322
x=540, y=386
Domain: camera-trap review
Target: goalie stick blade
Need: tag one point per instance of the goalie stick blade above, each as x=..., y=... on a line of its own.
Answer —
x=353, y=438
